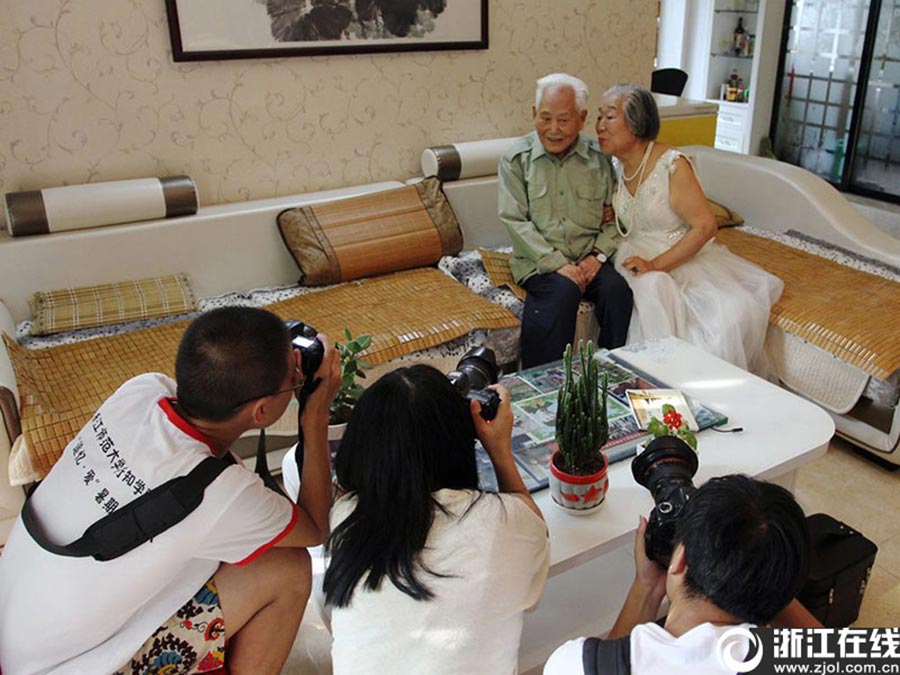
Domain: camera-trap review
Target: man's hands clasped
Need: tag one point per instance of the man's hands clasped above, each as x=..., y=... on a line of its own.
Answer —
x=581, y=274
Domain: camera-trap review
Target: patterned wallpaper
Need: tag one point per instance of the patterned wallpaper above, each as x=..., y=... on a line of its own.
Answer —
x=89, y=92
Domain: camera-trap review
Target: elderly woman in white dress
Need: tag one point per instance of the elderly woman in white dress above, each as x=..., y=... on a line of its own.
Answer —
x=684, y=284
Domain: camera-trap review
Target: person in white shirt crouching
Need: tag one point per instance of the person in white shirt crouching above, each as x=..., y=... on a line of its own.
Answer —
x=741, y=555
x=427, y=573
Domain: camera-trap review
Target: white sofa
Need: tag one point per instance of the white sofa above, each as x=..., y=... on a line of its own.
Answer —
x=224, y=248
x=237, y=247
x=770, y=195
x=775, y=196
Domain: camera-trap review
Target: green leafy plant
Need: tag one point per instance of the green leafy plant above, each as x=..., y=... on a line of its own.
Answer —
x=582, y=427
x=672, y=424
x=352, y=367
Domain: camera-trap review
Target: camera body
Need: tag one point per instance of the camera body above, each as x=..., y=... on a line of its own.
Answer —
x=474, y=373
x=312, y=351
x=666, y=468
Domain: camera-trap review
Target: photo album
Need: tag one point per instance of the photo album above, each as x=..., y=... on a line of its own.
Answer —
x=634, y=397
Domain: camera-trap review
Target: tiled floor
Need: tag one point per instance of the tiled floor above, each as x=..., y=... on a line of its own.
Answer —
x=843, y=483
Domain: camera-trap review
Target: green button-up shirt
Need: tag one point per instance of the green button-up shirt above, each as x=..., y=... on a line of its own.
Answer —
x=553, y=208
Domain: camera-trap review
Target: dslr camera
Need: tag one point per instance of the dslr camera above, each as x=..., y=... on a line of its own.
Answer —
x=666, y=468
x=312, y=351
x=474, y=372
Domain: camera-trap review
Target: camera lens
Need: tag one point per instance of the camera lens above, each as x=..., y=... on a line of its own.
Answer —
x=666, y=468
x=476, y=370
x=667, y=461
x=474, y=373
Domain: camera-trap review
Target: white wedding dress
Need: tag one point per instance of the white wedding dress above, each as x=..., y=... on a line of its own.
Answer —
x=715, y=300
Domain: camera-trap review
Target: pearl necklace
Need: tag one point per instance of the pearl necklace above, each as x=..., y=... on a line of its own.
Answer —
x=639, y=174
x=642, y=165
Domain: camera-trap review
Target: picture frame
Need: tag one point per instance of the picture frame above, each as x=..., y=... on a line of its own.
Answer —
x=207, y=30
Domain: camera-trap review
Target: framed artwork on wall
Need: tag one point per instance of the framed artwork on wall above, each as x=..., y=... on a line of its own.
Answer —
x=206, y=30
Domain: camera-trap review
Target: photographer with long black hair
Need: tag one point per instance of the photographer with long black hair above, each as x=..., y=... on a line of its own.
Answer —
x=428, y=574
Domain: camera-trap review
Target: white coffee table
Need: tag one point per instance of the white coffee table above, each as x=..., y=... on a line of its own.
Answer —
x=591, y=562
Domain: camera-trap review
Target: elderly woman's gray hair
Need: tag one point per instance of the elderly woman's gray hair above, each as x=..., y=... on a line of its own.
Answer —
x=562, y=80
x=638, y=108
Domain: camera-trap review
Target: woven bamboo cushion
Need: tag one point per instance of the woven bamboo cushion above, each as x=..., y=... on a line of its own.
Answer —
x=90, y=306
x=496, y=264
x=851, y=314
x=61, y=387
x=372, y=234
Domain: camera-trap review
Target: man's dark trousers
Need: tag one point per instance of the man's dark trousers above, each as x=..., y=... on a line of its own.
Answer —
x=551, y=311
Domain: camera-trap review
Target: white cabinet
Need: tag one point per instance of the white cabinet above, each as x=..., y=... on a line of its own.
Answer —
x=698, y=37
x=731, y=126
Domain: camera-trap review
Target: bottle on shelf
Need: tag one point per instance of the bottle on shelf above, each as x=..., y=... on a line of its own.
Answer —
x=751, y=43
x=739, y=95
x=731, y=86
x=740, y=38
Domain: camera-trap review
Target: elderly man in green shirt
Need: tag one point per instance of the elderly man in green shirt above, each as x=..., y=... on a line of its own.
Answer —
x=554, y=183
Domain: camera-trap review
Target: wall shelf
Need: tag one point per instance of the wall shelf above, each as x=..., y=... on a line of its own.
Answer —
x=698, y=37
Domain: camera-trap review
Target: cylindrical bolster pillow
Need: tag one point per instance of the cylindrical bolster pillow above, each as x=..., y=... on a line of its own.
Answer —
x=74, y=207
x=464, y=160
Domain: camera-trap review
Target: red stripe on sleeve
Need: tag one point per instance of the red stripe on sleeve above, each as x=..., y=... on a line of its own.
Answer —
x=295, y=513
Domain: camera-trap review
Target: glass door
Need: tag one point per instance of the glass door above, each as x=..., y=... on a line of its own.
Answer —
x=875, y=168
x=838, y=93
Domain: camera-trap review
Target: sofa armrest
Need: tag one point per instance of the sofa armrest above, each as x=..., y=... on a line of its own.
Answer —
x=778, y=196
x=7, y=374
x=11, y=498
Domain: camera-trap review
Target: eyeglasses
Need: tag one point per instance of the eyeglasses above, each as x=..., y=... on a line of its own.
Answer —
x=294, y=387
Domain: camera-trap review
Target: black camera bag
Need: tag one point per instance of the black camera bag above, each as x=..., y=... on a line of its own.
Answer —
x=840, y=565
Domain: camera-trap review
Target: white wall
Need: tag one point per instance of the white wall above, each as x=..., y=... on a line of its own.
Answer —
x=697, y=29
x=765, y=75
x=670, y=39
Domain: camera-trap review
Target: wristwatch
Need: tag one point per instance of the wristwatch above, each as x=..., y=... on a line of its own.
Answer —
x=599, y=255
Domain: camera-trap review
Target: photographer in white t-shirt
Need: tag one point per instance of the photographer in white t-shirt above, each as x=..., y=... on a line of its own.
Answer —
x=740, y=557
x=234, y=566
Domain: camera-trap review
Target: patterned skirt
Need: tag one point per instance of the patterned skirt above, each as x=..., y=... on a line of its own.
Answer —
x=191, y=641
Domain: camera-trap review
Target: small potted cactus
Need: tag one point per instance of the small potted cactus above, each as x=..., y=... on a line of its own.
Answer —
x=578, y=467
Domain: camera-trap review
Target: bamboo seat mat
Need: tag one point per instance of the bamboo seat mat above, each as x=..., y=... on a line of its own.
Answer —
x=851, y=314
x=61, y=387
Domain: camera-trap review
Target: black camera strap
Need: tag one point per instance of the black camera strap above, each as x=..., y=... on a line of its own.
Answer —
x=140, y=520
x=606, y=657
x=262, y=465
x=154, y=512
